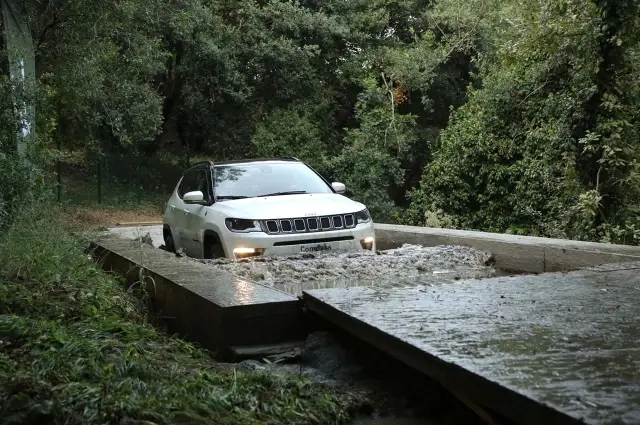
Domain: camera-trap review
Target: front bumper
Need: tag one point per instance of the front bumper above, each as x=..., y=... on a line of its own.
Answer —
x=242, y=245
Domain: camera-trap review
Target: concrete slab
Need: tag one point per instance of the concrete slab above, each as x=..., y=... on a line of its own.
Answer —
x=216, y=310
x=548, y=349
x=514, y=253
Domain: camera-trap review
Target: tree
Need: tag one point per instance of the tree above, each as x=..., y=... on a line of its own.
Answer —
x=545, y=145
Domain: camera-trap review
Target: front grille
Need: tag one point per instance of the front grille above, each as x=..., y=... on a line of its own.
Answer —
x=285, y=226
x=337, y=222
x=310, y=224
x=318, y=240
x=348, y=220
x=272, y=226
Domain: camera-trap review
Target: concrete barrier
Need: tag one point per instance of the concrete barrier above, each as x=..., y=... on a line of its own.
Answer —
x=228, y=315
x=219, y=311
x=526, y=254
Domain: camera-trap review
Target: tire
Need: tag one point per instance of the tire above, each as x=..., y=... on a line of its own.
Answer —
x=168, y=242
x=212, y=249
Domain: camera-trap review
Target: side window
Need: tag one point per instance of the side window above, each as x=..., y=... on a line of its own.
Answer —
x=189, y=183
x=195, y=180
x=202, y=183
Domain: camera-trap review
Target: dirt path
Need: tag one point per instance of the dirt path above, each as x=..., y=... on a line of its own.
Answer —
x=88, y=218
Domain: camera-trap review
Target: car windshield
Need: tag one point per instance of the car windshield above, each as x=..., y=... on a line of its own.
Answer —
x=249, y=180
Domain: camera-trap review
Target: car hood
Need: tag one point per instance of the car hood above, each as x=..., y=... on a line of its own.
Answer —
x=288, y=206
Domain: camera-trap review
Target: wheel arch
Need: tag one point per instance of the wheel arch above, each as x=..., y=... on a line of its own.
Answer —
x=212, y=233
x=166, y=233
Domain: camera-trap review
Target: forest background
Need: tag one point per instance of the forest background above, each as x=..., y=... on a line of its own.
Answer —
x=516, y=116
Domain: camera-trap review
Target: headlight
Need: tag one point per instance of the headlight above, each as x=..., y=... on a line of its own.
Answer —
x=242, y=225
x=363, y=217
x=367, y=243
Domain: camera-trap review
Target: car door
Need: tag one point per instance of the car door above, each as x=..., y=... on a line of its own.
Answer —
x=180, y=213
x=197, y=215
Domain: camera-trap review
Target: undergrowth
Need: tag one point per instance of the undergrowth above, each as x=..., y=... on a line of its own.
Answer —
x=76, y=348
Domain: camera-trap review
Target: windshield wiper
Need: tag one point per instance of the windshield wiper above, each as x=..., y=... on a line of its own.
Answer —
x=292, y=192
x=232, y=197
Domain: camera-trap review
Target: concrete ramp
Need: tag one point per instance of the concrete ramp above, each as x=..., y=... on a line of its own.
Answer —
x=561, y=348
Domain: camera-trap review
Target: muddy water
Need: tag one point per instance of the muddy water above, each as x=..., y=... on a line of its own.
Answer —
x=389, y=392
x=407, y=265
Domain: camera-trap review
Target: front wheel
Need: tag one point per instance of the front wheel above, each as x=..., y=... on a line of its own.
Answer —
x=212, y=249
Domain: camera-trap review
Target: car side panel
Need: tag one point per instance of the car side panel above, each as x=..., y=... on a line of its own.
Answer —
x=194, y=229
x=176, y=218
x=196, y=217
x=171, y=216
x=182, y=221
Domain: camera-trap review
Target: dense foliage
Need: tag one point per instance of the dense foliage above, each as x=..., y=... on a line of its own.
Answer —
x=547, y=143
x=499, y=115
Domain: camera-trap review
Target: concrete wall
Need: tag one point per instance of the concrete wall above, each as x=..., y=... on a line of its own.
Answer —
x=513, y=253
x=217, y=311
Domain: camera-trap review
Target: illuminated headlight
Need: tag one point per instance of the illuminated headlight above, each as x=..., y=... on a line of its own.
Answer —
x=367, y=243
x=363, y=217
x=242, y=225
x=242, y=252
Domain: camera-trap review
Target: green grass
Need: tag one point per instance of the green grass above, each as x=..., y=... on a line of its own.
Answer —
x=76, y=348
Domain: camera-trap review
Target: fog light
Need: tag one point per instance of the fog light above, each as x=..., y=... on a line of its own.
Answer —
x=367, y=243
x=242, y=252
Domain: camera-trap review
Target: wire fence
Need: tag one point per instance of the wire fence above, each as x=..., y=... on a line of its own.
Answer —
x=116, y=178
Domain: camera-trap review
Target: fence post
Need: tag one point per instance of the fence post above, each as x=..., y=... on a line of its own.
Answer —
x=139, y=185
x=59, y=171
x=188, y=154
x=99, y=179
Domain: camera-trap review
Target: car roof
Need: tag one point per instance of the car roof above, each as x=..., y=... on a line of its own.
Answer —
x=256, y=161
x=241, y=161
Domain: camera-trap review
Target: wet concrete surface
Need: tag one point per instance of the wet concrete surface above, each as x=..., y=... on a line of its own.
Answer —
x=565, y=342
x=225, y=289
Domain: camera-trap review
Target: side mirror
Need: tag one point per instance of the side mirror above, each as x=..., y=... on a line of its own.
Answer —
x=195, y=197
x=338, y=187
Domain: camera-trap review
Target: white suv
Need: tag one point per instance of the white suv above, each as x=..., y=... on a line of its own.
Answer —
x=240, y=209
